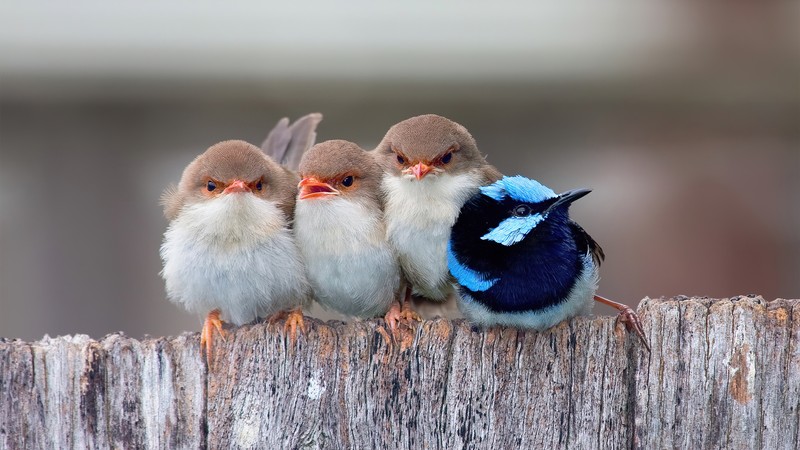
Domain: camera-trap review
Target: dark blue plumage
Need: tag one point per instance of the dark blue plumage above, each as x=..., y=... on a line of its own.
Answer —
x=518, y=258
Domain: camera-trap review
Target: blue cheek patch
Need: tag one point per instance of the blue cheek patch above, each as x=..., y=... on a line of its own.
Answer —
x=470, y=279
x=519, y=188
x=513, y=229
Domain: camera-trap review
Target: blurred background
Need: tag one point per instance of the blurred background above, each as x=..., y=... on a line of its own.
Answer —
x=684, y=117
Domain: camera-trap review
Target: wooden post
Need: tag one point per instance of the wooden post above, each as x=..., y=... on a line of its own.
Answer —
x=722, y=374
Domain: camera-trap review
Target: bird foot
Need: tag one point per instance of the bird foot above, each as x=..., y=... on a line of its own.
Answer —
x=628, y=317
x=211, y=323
x=294, y=320
x=409, y=315
x=398, y=315
x=401, y=323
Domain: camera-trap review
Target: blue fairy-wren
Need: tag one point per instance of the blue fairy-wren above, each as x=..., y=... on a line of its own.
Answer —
x=520, y=261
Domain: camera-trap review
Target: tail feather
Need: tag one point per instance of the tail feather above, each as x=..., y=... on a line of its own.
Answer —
x=287, y=143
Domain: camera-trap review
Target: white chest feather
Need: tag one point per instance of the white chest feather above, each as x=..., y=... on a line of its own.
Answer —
x=419, y=216
x=234, y=253
x=351, y=266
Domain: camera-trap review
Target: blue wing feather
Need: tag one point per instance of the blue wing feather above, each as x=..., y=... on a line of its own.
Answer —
x=472, y=280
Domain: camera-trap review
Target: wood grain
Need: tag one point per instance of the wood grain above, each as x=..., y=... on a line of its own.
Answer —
x=722, y=374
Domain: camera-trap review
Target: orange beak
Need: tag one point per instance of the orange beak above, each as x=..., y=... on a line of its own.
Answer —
x=237, y=186
x=420, y=170
x=313, y=188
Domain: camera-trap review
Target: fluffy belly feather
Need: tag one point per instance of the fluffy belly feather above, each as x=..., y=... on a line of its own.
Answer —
x=419, y=216
x=422, y=255
x=244, y=283
x=235, y=256
x=351, y=267
x=360, y=285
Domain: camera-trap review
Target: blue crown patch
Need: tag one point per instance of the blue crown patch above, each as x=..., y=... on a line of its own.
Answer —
x=518, y=188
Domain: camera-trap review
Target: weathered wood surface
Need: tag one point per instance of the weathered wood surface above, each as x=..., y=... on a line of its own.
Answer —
x=722, y=374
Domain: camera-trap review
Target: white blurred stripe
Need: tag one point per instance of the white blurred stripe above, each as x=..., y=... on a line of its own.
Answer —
x=453, y=40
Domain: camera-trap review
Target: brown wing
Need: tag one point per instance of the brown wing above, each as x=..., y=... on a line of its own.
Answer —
x=586, y=243
x=490, y=174
x=287, y=143
x=285, y=190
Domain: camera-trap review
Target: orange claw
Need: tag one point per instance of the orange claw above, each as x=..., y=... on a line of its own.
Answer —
x=408, y=314
x=392, y=316
x=294, y=320
x=211, y=323
x=627, y=316
x=401, y=315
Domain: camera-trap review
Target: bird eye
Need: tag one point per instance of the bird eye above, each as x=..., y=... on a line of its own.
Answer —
x=401, y=160
x=447, y=157
x=522, y=210
x=347, y=181
x=259, y=185
x=211, y=186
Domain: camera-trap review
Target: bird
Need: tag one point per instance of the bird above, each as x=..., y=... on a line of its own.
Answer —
x=229, y=251
x=432, y=166
x=520, y=261
x=341, y=233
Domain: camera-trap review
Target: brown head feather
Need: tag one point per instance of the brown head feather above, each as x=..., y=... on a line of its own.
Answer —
x=225, y=162
x=427, y=138
x=332, y=161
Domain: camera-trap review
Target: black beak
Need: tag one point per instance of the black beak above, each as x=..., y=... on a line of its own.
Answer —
x=568, y=197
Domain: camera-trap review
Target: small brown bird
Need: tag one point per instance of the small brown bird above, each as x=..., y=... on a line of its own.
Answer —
x=341, y=234
x=229, y=251
x=432, y=167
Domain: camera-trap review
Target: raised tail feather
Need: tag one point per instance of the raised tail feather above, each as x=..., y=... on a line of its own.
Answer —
x=287, y=143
